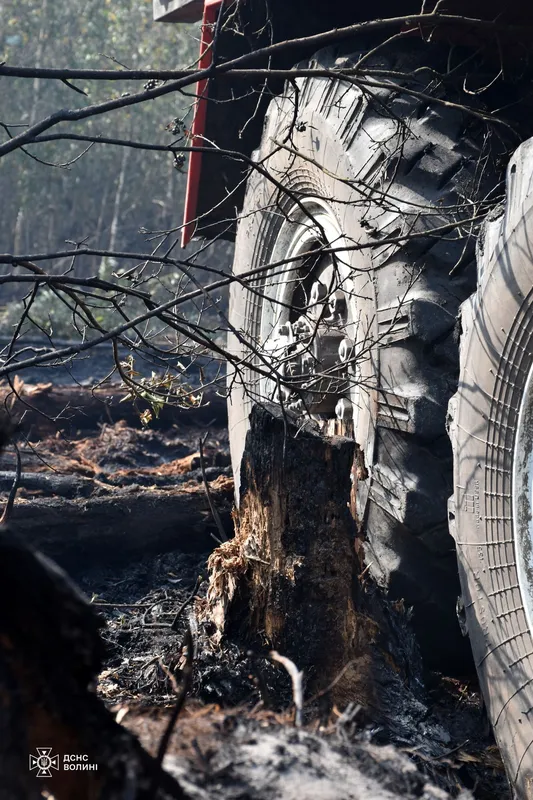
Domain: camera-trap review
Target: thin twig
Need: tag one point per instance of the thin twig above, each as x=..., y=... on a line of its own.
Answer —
x=149, y=608
x=165, y=739
x=75, y=88
x=14, y=488
x=185, y=603
x=214, y=512
x=121, y=605
x=331, y=685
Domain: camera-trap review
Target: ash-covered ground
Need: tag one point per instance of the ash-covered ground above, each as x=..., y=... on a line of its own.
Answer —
x=236, y=736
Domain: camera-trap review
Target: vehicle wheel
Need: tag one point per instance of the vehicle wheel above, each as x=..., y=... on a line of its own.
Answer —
x=491, y=428
x=354, y=169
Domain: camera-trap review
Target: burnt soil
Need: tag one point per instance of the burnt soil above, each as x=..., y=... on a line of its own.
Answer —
x=240, y=712
x=236, y=737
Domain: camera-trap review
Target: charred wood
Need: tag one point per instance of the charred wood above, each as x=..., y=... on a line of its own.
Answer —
x=73, y=408
x=287, y=577
x=121, y=524
x=50, y=655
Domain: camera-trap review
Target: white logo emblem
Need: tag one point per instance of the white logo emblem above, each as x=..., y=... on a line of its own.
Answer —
x=43, y=762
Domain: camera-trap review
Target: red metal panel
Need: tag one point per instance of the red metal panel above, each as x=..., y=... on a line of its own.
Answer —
x=211, y=9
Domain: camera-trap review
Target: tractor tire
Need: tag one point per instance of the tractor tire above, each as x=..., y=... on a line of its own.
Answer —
x=491, y=429
x=373, y=162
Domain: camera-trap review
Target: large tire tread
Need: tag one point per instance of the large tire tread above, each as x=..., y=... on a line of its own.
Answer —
x=432, y=159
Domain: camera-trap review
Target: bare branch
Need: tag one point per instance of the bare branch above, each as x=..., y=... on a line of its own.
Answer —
x=413, y=21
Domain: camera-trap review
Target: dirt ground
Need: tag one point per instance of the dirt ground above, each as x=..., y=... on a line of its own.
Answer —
x=236, y=736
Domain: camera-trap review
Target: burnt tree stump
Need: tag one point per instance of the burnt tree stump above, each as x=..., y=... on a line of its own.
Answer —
x=288, y=575
x=50, y=655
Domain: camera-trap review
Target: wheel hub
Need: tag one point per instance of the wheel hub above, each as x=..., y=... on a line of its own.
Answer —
x=310, y=324
x=315, y=357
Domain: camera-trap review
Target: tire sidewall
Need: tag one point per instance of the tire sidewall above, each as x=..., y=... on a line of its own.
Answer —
x=496, y=358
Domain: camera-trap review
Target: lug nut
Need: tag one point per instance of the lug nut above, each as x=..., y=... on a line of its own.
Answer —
x=337, y=302
x=344, y=410
x=318, y=293
x=346, y=350
x=300, y=327
x=308, y=362
x=283, y=394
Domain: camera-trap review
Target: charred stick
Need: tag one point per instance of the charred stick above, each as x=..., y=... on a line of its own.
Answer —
x=181, y=609
x=214, y=512
x=165, y=739
x=13, y=491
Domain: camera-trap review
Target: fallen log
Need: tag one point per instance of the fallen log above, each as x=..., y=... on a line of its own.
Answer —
x=72, y=408
x=66, y=486
x=288, y=575
x=123, y=523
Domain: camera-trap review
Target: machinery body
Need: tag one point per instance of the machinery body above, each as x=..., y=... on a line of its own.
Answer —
x=215, y=189
x=402, y=207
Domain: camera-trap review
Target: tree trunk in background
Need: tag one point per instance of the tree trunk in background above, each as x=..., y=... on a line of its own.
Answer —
x=101, y=215
x=39, y=51
x=126, y=152
x=18, y=232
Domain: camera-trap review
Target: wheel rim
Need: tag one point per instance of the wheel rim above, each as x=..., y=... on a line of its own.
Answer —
x=309, y=320
x=522, y=498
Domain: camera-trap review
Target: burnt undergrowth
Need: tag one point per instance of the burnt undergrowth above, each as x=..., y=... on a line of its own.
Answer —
x=438, y=721
x=240, y=707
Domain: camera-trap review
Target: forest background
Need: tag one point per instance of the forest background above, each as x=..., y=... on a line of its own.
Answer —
x=106, y=197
